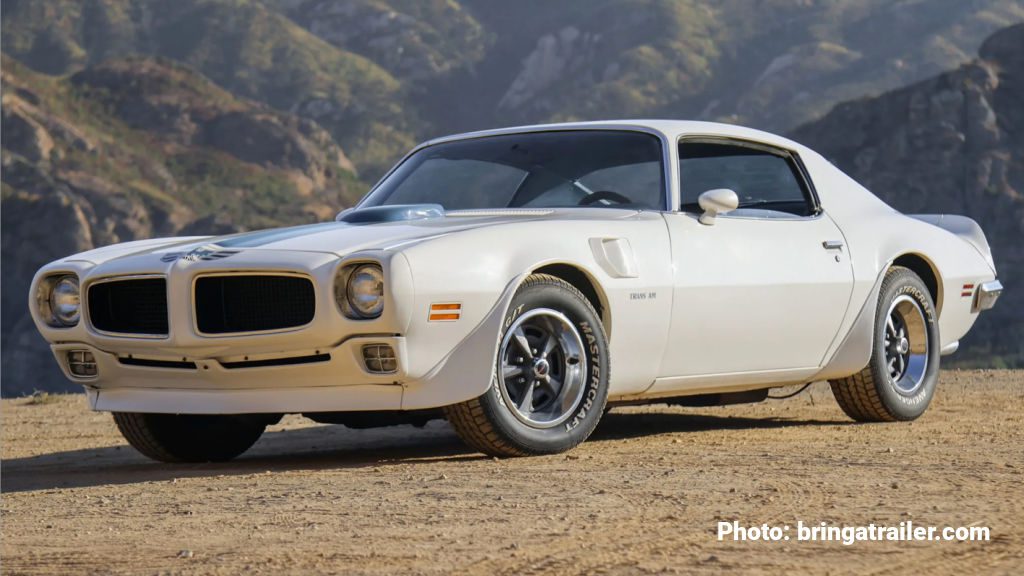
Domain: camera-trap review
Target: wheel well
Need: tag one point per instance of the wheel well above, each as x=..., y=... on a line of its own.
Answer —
x=585, y=284
x=918, y=265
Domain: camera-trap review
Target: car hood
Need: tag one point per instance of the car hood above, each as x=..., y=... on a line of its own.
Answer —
x=341, y=238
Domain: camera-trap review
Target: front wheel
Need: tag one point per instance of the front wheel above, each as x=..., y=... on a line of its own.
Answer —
x=551, y=376
x=190, y=437
x=899, y=381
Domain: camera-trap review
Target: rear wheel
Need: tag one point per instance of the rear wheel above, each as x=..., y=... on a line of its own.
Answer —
x=190, y=437
x=899, y=381
x=551, y=376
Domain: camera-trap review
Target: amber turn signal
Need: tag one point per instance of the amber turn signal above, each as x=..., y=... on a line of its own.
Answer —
x=445, y=312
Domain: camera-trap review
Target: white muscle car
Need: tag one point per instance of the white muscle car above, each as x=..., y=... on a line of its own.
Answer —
x=519, y=281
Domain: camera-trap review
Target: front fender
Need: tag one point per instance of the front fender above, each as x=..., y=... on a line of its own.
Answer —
x=480, y=269
x=466, y=372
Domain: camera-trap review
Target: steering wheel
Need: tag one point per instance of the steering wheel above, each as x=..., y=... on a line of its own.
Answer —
x=604, y=195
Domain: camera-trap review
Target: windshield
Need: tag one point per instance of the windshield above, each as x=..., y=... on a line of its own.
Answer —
x=597, y=168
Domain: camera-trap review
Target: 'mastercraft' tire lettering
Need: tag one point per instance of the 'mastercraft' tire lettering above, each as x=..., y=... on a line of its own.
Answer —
x=595, y=377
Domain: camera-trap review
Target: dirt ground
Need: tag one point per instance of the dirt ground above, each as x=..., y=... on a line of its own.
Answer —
x=644, y=495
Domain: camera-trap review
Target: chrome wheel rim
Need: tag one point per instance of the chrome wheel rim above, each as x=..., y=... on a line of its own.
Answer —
x=906, y=344
x=541, y=368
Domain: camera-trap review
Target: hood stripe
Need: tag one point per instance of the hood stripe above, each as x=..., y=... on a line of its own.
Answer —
x=264, y=237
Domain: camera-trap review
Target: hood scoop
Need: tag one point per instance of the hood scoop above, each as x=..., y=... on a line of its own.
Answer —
x=395, y=213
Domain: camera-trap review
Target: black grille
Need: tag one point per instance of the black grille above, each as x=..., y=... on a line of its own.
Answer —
x=226, y=304
x=129, y=306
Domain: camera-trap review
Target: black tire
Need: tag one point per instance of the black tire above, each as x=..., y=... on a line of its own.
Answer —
x=874, y=394
x=491, y=425
x=190, y=437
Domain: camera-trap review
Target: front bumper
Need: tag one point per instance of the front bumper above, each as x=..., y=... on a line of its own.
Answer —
x=318, y=380
x=303, y=399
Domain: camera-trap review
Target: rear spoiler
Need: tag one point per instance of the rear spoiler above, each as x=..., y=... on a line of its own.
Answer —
x=961, y=226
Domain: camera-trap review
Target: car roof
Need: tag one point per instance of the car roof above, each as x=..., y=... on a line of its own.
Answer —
x=672, y=129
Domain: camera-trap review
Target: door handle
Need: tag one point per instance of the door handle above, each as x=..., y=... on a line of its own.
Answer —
x=832, y=244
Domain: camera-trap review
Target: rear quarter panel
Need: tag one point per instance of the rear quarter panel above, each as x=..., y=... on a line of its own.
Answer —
x=876, y=235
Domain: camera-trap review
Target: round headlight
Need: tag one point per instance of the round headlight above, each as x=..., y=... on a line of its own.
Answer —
x=65, y=300
x=365, y=291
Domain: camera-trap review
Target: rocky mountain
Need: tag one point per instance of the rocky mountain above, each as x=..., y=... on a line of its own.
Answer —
x=381, y=74
x=773, y=64
x=246, y=47
x=950, y=144
x=414, y=40
x=139, y=148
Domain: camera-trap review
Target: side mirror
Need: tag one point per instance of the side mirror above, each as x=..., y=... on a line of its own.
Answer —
x=715, y=202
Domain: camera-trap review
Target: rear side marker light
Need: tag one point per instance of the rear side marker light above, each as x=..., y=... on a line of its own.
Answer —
x=82, y=363
x=380, y=359
x=968, y=290
x=445, y=312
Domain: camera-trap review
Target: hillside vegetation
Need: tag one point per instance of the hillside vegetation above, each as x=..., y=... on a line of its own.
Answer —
x=243, y=46
x=381, y=74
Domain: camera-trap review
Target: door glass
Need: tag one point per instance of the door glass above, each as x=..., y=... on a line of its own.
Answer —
x=767, y=184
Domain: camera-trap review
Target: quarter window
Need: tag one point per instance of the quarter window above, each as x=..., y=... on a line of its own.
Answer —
x=767, y=182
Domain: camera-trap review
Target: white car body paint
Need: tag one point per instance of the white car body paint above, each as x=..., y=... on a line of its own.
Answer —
x=746, y=303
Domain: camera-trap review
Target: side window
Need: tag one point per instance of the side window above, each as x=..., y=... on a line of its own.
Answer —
x=767, y=183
